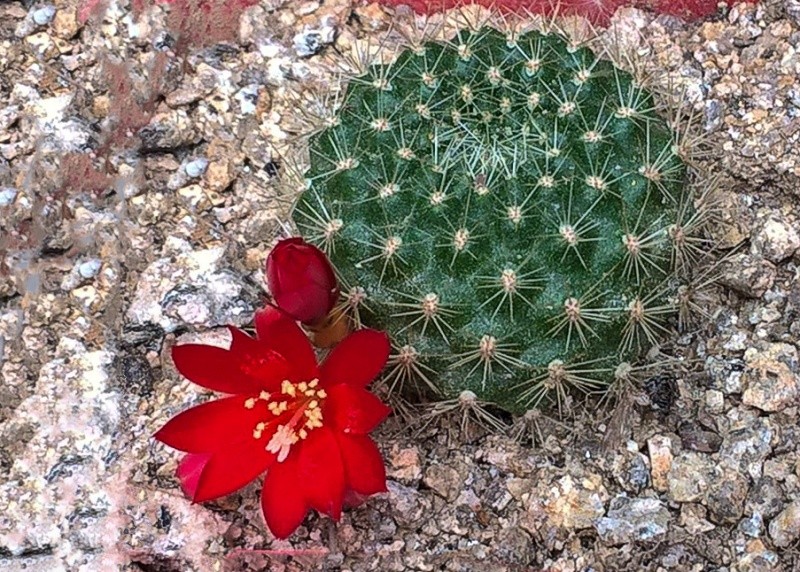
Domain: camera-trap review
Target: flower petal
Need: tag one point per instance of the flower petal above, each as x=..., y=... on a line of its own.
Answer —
x=352, y=499
x=353, y=410
x=280, y=333
x=363, y=464
x=231, y=468
x=282, y=502
x=321, y=473
x=189, y=470
x=266, y=367
x=211, y=426
x=238, y=370
x=356, y=360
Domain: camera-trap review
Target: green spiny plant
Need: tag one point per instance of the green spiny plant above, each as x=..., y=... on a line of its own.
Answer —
x=510, y=208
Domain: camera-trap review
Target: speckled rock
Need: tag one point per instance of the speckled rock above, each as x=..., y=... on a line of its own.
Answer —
x=633, y=519
x=749, y=275
x=410, y=505
x=404, y=464
x=74, y=416
x=168, y=130
x=193, y=287
x=785, y=528
x=771, y=377
x=694, y=519
x=631, y=470
x=757, y=558
x=446, y=481
x=775, y=237
x=765, y=498
x=569, y=503
x=689, y=476
x=744, y=449
x=726, y=496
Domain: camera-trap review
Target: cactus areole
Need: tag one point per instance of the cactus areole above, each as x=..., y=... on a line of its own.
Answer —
x=509, y=209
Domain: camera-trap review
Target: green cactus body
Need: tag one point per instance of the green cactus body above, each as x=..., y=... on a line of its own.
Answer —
x=506, y=209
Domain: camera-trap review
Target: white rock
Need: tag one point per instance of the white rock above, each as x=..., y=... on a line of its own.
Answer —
x=44, y=15
x=7, y=196
x=196, y=167
x=90, y=268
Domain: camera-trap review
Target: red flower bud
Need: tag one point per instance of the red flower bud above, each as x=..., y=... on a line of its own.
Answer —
x=301, y=280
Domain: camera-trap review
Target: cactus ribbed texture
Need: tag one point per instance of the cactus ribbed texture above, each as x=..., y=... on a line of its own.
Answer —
x=509, y=209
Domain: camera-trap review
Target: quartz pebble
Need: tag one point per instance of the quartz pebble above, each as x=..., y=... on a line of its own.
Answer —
x=44, y=15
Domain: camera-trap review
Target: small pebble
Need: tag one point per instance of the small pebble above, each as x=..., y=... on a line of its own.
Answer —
x=44, y=15
x=90, y=268
x=7, y=196
x=196, y=167
x=310, y=41
x=752, y=526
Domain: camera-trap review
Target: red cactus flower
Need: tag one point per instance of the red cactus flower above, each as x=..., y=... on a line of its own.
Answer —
x=301, y=280
x=306, y=425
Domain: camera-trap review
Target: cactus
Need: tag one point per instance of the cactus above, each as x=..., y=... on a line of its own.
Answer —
x=510, y=208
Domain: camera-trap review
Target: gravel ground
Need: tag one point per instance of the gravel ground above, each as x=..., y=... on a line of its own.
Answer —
x=160, y=235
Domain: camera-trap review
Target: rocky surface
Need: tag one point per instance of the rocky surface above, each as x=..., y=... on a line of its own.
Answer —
x=142, y=184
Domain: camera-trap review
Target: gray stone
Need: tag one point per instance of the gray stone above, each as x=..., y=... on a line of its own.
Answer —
x=771, y=377
x=745, y=449
x=445, y=481
x=311, y=40
x=714, y=401
x=67, y=494
x=774, y=237
x=631, y=471
x=633, y=519
x=748, y=274
x=726, y=374
x=765, y=498
x=785, y=528
x=407, y=503
x=752, y=526
x=725, y=497
x=689, y=476
x=793, y=11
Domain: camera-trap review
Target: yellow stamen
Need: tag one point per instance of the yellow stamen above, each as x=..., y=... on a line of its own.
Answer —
x=287, y=388
x=303, y=401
